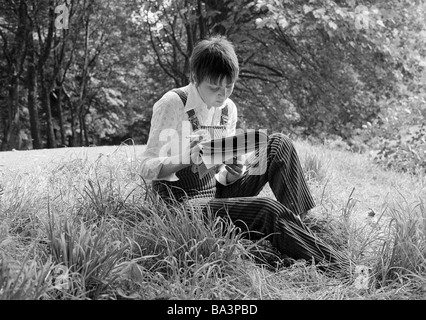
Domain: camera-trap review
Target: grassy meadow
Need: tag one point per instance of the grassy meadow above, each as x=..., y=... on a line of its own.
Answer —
x=80, y=227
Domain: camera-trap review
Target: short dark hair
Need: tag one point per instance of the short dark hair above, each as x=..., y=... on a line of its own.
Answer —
x=214, y=59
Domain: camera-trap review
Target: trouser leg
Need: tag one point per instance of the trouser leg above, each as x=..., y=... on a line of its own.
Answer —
x=282, y=170
x=262, y=217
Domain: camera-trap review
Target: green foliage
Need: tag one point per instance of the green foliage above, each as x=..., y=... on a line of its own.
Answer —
x=319, y=66
x=180, y=240
x=178, y=253
x=397, y=135
x=315, y=68
x=314, y=168
x=23, y=282
x=87, y=255
x=404, y=153
x=404, y=257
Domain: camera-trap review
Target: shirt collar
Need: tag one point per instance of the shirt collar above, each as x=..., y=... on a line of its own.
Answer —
x=194, y=100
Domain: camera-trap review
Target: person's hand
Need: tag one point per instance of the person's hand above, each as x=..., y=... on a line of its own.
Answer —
x=194, y=147
x=235, y=170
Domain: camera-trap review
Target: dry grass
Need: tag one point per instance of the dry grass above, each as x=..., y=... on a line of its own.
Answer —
x=87, y=227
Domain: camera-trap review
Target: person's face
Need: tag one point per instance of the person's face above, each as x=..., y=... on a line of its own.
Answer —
x=215, y=94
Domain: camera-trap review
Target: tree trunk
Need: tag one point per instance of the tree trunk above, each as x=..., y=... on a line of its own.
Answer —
x=190, y=46
x=73, y=140
x=45, y=100
x=60, y=115
x=86, y=135
x=45, y=83
x=32, y=96
x=81, y=124
x=16, y=59
x=11, y=140
x=2, y=122
x=201, y=21
x=84, y=76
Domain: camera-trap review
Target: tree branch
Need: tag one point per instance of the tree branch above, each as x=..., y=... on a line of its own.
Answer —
x=154, y=47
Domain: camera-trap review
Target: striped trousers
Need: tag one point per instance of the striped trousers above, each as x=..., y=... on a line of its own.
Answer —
x=261, y=216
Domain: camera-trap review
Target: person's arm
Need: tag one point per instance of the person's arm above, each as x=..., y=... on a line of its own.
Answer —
x=163, y=136
x=188, y=157
x=166, y=151
x=168, y=168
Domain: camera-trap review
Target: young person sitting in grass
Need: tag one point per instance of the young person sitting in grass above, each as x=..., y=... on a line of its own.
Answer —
x=232, y=191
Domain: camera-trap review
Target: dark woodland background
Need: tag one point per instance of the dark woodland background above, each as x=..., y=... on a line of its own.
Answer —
x=79, y=72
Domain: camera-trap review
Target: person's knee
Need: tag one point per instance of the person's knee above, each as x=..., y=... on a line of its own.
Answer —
x=280, y=139
x=267, y=203
x=276, y=209
x=273, y=209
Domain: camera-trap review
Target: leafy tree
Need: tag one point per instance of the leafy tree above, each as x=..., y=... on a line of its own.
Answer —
x=349, y=68
x=322, y=70
x=313, y=67
x=398, y=135
x=13, y=32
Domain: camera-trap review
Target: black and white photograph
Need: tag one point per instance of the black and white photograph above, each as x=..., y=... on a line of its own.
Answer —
x=213, y=157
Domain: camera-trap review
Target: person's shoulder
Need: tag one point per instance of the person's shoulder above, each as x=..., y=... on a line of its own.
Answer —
x=230, y=102
x=231, y=105
x=170, y=98
x=171, y=95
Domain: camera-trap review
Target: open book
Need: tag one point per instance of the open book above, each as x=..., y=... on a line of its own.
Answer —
x=223, y=150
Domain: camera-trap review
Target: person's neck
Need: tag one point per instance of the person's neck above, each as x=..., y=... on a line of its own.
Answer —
x=208, y=107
